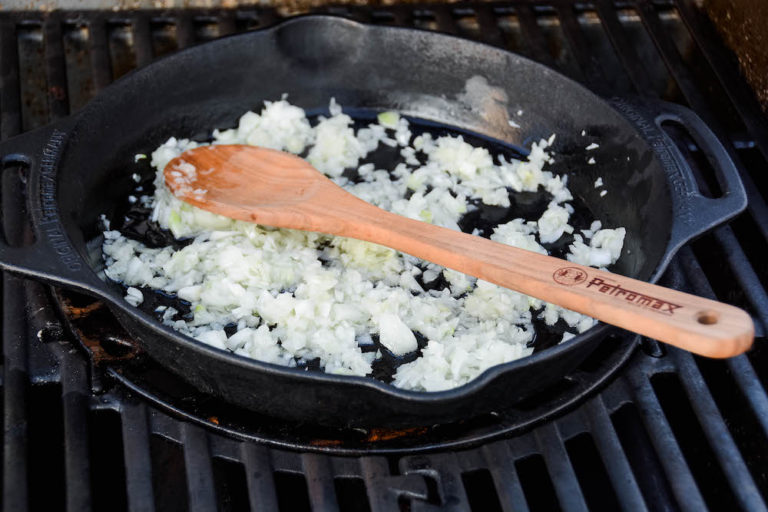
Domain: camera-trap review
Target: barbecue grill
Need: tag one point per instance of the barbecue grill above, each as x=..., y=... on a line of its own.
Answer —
x=91, y=423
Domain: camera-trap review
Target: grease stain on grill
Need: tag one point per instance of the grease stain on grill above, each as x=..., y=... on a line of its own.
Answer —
x=377, y=435
x=80, y=312
x=97, y=330
x=326, y=442
x=386, y=434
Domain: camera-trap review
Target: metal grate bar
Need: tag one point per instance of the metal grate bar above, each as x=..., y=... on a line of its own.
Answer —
x=99, y=48
x=403, y=16
x=75, y=389
x=749, y=383
x=443, y=468
x=489, y=28
x=268, y=16
x=444, y=18
x=500, y=463
x=668, y=52
x=592, y=73
x=142, y=40
x=742, y=370
x=383, y=489
x=721, y=63
x=560, y=469
x=744, y=273
x=360, y=14
x=696, y=276
x=720, y=440
x=381, y=497
x=286, y=462
x=613, y=456
x=55, y=63
x=138, y=479
x=15, y=491
x=319, y=475
x=675, y=466
x=535, y=41
x=10, y=93
x=185, y=31
x=757, y=205
x=197, y=462
x=227, y=23
x=624, y=50
x=259, y=477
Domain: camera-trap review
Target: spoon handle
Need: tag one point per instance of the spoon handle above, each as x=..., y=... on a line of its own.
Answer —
x=687, y=321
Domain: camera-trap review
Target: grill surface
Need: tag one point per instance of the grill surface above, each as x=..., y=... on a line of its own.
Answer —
x=668, y=432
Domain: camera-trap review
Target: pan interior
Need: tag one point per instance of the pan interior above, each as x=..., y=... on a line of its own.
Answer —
x=132, y=219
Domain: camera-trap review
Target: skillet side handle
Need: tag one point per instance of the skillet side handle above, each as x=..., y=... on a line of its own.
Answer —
x=694, y=212
x=52, y=257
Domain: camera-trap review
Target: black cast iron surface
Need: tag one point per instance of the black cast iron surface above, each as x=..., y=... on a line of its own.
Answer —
x=668, y=432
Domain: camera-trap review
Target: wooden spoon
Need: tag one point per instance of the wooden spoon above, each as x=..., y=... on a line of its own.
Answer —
x=277, y=189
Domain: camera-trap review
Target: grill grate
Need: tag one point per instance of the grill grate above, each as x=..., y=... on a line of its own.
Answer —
x=670, y=432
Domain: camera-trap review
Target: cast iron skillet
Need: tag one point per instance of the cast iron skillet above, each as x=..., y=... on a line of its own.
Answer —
x=80, y=167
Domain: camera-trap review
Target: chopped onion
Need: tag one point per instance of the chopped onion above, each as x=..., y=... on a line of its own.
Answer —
x=298, y=295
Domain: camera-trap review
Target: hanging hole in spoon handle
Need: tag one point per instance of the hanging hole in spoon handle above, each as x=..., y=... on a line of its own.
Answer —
x=707, y=317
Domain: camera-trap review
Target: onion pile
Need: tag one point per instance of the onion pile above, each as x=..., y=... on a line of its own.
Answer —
x=289, y=297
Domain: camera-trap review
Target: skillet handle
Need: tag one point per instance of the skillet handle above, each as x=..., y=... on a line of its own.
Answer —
x=51, y=257
x=694, y=212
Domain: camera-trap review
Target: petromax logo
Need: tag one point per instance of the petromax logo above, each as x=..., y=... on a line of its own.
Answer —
x=572, y=276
